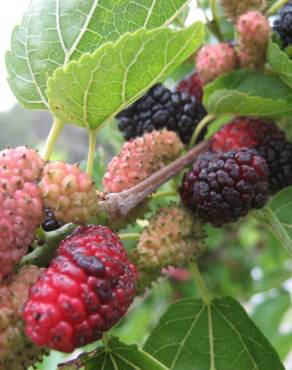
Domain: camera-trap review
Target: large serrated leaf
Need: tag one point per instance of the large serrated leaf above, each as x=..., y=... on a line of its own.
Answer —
x=53, y=32
x=92, y=90
x=117, y=356
x=278, y=216
x=248, y=93
x=280, y=63
x=192, y=335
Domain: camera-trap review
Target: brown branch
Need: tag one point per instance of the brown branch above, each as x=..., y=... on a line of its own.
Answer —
x=115, y=205
x=118, y=205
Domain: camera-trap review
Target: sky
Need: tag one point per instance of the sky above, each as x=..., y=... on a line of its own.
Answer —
x=10, y=16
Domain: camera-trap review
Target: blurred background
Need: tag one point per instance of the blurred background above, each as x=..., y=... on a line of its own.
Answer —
x=243, y=260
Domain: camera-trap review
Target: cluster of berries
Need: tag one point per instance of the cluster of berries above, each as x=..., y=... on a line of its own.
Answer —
x=181, y=110
x=250, y=159
x=90, y=283
x=27, y=184
x=253, y=31
x=249, y=51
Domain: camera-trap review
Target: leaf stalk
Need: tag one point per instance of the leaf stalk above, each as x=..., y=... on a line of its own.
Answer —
x=200, y=283
x=91, y=151
x=54, y=134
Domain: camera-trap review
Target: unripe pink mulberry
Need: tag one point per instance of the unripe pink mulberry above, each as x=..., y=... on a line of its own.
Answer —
x=139, y=158
x=21, y=212
x=173, y=237
x=253, y=32
x=253, y=27
x=215, y=60
x=69, y=192
x=19, y=165
x=17, y=352
x=234, y=8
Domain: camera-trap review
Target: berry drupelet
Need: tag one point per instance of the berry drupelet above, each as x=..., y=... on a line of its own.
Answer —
x=160, y=108
x=87, y=288
x=222, y=187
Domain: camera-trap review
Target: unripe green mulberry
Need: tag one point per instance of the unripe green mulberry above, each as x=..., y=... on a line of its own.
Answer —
x=17, y=352
x=173, y=237
x=69, y=192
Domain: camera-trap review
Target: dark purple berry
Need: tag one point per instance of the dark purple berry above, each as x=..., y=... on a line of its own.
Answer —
x=160, y=108
x=222, y=187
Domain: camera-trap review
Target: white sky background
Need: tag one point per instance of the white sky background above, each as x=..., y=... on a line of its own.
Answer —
x=10, y=16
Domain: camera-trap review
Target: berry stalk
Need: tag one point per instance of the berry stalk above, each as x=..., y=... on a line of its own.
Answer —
x=118, y=205
x=275, y=7
x=42, y=255
x=204, y=122
x=129, y=236
x=54, y=134
x=162, y=194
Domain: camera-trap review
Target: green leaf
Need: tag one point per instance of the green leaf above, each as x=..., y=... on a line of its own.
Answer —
x=53, y=32
x=280, y=63
x=244, y=92
x=269, y=314
x=192, y=335
x=117, y=356
x=92, y=90
x=278, y=216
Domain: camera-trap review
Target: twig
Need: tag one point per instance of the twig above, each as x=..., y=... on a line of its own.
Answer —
x=118, y=205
